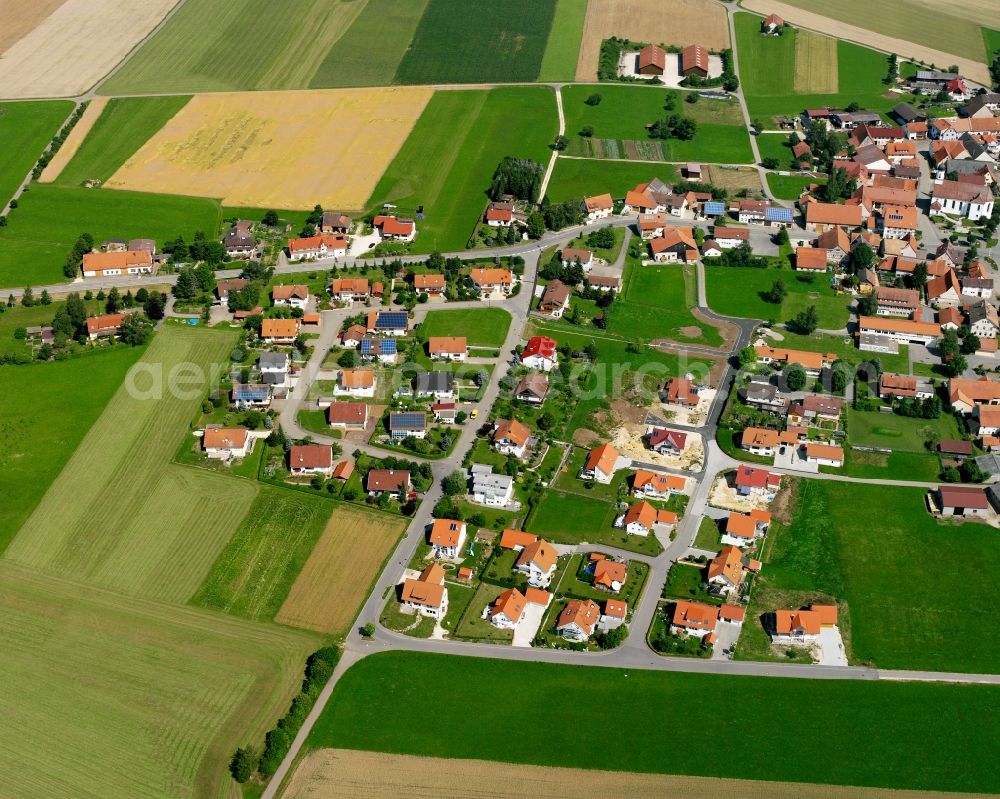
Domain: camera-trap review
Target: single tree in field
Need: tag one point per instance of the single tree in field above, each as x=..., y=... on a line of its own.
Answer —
x=748, y=357
x=777, y=293
x=454, y=484
x=271, y=218
x=807, y=321
x=243, y=764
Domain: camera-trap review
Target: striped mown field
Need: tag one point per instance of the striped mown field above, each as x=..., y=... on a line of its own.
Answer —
x=815, y=64
x=120, y=515
x=124, y=698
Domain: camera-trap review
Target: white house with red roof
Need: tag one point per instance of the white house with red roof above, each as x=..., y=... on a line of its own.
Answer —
x=389, y=227
x=446, y=538
x=751, y=482
x=540, y=353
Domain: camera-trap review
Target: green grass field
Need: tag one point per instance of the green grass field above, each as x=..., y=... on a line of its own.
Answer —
x=581, y=177
x=923, y=466
x=382, y=26
x=122, y=128
x=124, y=698
x=775, y=145
x=952, y=28
x=33, y=247
x=625, y=110
x=563, y=47
x=486, y=327
x=120, y=514
x=892, y=431
x=256, y=569
x=900, y=735
x=565, y=517
x=241, y=45
x=39, y=435
x=487, y=41
x=448, y=160
x=26, y=130
x=656, y=303
x=735, y=291
x=767, y=68
x=904, y=576
x=991, y=38
x=790, y=187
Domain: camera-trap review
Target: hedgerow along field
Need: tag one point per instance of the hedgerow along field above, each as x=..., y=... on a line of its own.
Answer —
x=495, y=41
x=39, y=436
x=120, y=514
x=49, y=219
x=236, y=46
x=338, y=575
x=385, y=27
x=873, y=733
x=562, y=52
x=895, y=572
x=448, y=161
x=123, y=127
x=768, y=72
x=26, y=130
x=123, y=698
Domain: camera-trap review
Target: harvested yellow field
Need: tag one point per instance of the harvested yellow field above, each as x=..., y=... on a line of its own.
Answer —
x=733, y=180
x=20, y=17
x=278, y=149
x=74, y=140
x=346, y=774
x=74, y=46
x=326, y=595
x=684, y=22
x=882, y=17
x=815, y=64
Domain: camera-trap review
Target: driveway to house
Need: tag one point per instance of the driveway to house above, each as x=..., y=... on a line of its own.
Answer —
x=527, y=628
x=727, y=633
x=831, y=646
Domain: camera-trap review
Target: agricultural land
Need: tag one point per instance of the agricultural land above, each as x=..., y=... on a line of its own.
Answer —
x=49, y=219
x=931, y=32
x=57, y=57
x=122, y=697
x=645, y=21
x=123, y=125
x=266, y=149
x=120, y=514
x=25, y=130
x=336, y=578
x=449, y=158
x=374, y=709
x=346, y=773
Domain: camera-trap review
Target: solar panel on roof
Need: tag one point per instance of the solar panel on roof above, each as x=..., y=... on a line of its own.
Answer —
x=715, y=209
x=778, y=214
x=391, y=319
x=366, y=346
x=388, y=346
x=407, y=419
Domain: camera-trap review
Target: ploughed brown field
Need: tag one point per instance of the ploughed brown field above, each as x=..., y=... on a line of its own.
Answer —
x=347, y=774
x=277, y=149
x=680, y=22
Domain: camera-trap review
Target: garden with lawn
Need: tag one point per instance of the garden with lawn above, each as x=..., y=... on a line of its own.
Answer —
x=931, y=736
x=896, y=432
x=482, y=327
x=571, y=518
x=574, y=178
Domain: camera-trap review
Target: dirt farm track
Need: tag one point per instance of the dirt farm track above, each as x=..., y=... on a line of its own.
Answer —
x=346, y=774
